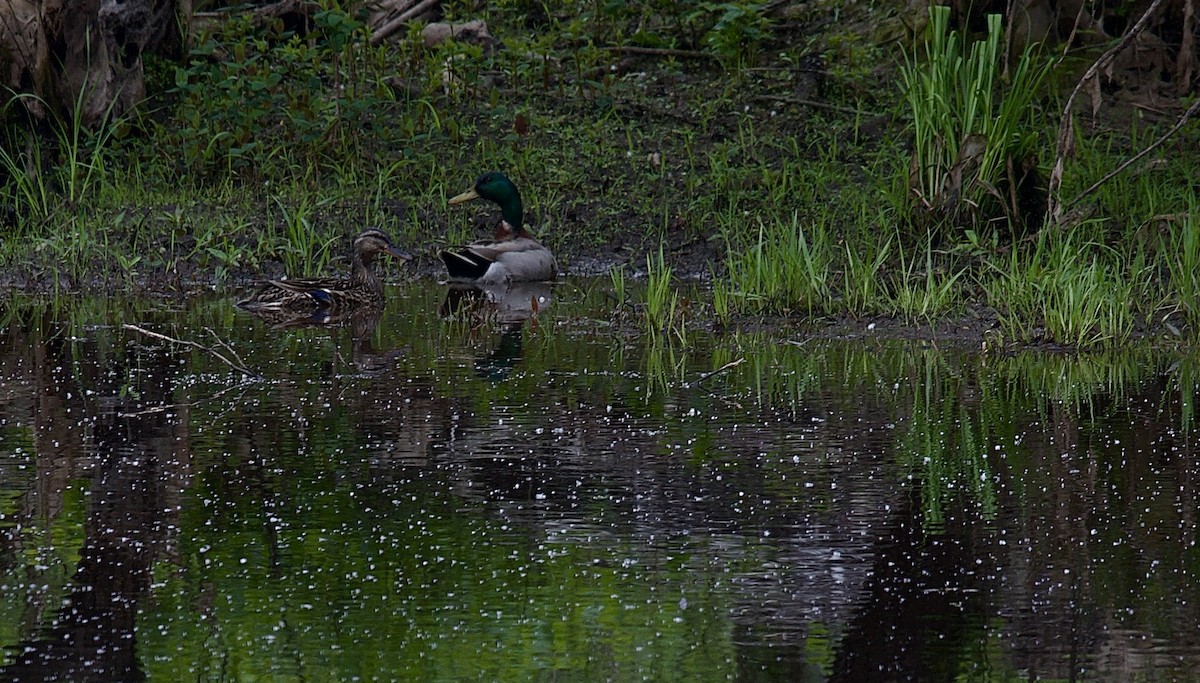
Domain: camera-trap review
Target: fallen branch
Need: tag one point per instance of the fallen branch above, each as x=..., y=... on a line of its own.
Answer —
x=381, y=34
x=1187, y=115
x=225, y=345
x=203, y=21
x=185, y=342
x=1066, y=128
x=659, y=51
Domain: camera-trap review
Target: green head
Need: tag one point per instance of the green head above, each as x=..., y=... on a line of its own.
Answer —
x=497, y=188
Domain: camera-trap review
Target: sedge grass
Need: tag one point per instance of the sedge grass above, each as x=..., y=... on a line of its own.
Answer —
x=924, y=290
x=304, y=250
x=1067, y=291
x=1180, y=249
x=865, y=286
x=617, y=276
x=26, y=190
x=663, y=308
x=786, y=268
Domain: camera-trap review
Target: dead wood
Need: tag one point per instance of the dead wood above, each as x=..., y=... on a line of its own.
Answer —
x=383, y=32
x=207, y=22
x=83, y=59
x=802, y=102
x=659, y=52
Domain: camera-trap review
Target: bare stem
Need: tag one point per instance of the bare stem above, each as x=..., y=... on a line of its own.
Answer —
x=1066, y=127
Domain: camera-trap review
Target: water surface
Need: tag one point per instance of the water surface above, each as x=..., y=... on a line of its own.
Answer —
x=460, y=489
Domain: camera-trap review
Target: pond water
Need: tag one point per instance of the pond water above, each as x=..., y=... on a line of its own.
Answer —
x=522, y=489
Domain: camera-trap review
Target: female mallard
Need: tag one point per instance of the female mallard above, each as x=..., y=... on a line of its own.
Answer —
x=513, y=255
x=363, y=288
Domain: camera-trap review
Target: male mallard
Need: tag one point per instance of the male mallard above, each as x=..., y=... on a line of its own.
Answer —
x=363, y=288
x=513, y=255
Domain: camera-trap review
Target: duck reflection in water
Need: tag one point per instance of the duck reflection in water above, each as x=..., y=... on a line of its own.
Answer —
x=361, y=322
x=508, y=305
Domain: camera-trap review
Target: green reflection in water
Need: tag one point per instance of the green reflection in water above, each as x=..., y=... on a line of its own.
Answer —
x=456, y=499
x=413, y=588
x=37, y=583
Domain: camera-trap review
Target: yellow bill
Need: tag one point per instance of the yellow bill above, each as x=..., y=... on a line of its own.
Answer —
x=464, y=197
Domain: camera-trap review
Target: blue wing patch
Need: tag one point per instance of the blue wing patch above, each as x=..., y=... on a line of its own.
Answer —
x=321, y=296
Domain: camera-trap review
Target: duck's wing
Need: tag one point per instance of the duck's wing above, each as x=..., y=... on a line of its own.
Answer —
x=300, y=292
x=522, y=259
x=318, y=287
x=468, y=262
x=526, y=260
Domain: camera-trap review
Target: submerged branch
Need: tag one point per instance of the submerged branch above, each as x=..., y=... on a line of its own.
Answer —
x=196, y=345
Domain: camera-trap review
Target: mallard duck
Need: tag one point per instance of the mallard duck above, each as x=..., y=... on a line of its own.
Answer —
x=362, y=288
x=512, y=255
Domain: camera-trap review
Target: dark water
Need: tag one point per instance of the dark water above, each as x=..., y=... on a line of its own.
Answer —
x=477, y=497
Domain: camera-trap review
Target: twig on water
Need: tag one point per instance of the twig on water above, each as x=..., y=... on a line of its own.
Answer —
x=187, y=342
x=179, y=406
x=723, y=368
x=225, y=345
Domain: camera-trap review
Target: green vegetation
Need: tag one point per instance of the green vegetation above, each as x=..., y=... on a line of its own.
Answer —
x=665, y=311
x=972, y=130
x=809, y=189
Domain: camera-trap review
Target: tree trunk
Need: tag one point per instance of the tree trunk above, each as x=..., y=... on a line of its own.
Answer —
x=84, y=57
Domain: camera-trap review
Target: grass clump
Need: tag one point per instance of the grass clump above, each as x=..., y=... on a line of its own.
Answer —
x=1069, y=291
x=785, y=267
x=975, y=140
x=925, y=289
x=1180, y=246
x=665, y=311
